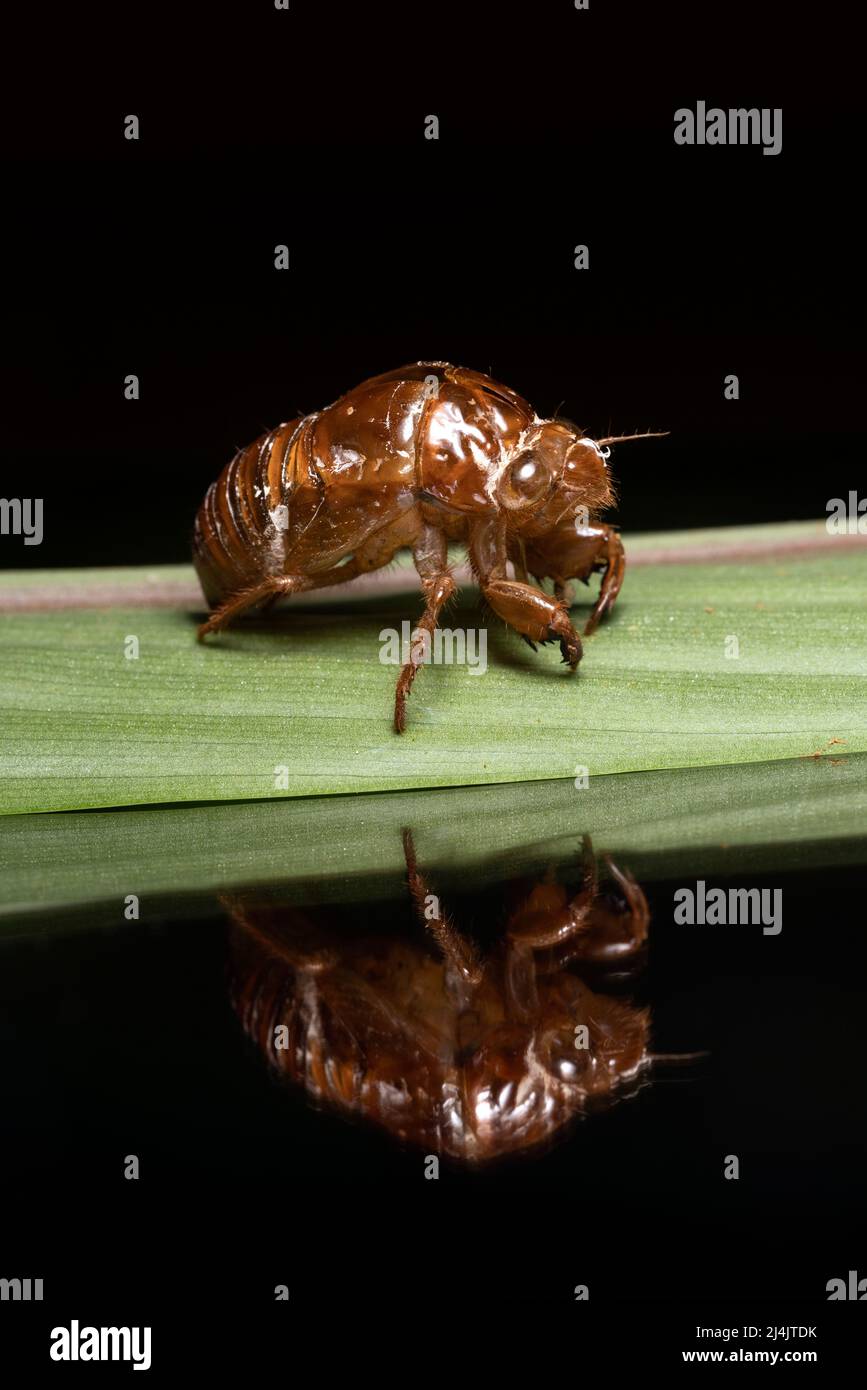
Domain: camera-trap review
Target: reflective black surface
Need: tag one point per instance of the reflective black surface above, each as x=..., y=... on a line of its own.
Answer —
x=124, y=1042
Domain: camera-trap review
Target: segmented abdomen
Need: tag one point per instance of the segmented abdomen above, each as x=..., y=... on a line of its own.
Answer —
x=240, y=520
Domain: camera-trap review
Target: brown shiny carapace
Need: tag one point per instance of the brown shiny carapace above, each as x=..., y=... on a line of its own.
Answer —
x=466, y=1052
x=416, y=458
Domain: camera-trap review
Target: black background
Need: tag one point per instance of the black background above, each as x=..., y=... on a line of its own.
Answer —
x=261, y=127
x=306, y=128
x=125, y=1042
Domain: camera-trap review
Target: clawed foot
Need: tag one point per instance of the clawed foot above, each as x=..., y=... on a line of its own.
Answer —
x=561, y=630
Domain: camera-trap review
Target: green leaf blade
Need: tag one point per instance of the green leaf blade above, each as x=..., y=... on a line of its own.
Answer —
x=306, y=691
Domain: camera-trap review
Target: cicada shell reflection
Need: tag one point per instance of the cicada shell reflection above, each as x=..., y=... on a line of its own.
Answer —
x=467, y=1055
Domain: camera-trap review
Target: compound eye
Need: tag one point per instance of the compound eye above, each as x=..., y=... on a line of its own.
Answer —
x=527, y=480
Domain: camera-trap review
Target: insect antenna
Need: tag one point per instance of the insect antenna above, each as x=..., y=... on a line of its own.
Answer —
x=675, y=1059
x=621, y=438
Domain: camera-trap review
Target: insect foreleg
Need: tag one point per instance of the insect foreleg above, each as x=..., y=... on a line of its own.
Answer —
x=534, y=614
x=609, y=936
x=430, y=553
x=519, y=564
x=619, y=934
x=547, y=918
x=609, y=555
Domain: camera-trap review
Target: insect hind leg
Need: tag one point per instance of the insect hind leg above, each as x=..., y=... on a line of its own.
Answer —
x=266, y=592
x=276, y=586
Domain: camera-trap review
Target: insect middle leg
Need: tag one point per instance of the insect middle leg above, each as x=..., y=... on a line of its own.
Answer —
x=536, y=616
x=430, y=553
